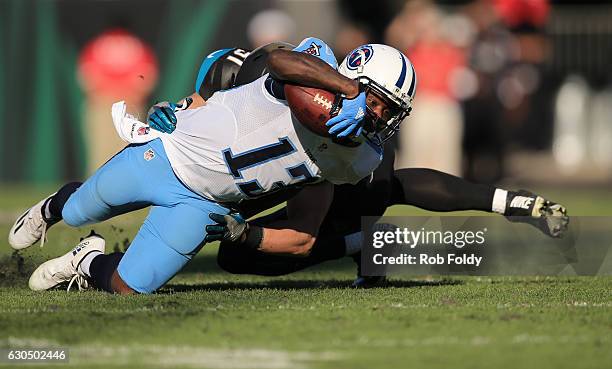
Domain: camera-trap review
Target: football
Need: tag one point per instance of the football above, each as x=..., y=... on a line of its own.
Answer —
x=311, y=106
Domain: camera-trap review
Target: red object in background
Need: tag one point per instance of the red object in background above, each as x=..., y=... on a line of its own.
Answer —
x=119, y=65
x=435, y=62
x=517, y=12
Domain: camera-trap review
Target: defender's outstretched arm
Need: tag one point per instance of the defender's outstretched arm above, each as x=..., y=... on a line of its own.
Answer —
x=292, y=235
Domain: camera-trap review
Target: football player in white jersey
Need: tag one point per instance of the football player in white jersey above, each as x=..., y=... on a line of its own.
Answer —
x=340, y=231
x=207, y=167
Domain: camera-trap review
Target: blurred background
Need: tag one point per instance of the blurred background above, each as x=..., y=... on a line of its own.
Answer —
x=512, y=91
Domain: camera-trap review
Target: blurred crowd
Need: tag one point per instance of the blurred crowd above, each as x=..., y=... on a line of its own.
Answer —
x=508, y=90
x=490, y=102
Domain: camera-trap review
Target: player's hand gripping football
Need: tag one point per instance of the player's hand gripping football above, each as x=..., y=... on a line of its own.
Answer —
x=349, y=121
x=229, y=227
x=525, y=207
x=161, y=117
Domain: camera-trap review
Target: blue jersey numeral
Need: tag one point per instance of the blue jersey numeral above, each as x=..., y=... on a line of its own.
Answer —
x=236, y=163
x=299, y=172
x=248, y=159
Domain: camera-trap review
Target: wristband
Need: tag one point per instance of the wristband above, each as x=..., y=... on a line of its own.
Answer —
x=360, y=88
x=254, y=237
x=499, y=201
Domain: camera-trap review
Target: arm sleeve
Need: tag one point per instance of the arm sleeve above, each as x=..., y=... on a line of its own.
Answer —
x=275, y=88
x=437, y=191
x=312, y=46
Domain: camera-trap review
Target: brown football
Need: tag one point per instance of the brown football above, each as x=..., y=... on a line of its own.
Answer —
x=311, y=106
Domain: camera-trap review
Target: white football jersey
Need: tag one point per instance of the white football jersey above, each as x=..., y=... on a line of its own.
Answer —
x=245, y=143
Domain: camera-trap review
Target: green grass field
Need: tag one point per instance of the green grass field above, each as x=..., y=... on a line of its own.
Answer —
x=210, y=319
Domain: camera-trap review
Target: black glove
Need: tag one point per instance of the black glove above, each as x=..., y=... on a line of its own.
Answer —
x=229, y=227
x=525, y=207
x=232, y=228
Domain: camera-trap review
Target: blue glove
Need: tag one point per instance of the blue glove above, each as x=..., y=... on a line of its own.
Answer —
x=161, y=116
x=349, y=120
x=229, y=227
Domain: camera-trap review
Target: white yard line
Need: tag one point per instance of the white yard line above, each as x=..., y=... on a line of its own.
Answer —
x=195, y=357
x=184, y=356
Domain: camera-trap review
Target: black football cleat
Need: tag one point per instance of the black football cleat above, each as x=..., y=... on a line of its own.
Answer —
x=366, y=281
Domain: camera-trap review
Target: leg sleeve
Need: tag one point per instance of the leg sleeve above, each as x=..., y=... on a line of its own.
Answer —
x=437, y=191
x=240, y=260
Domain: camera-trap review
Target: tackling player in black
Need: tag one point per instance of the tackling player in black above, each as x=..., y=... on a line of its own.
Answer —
x=339, y=234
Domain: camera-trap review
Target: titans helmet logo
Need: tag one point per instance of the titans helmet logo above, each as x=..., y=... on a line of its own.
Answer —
x=359, y=57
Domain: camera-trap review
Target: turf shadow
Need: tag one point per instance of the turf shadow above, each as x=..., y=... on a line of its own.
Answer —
x=208, y=263
x=300, y=284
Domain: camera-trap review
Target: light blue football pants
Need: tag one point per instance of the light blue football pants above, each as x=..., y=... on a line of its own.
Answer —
x=174, y=230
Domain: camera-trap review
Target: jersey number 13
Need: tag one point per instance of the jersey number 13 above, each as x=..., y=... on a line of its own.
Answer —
x=236, y=163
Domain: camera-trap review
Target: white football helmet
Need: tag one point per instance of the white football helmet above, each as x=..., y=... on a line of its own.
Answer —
x=389, y=74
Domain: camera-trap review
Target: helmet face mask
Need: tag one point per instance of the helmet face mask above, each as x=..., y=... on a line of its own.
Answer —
x=379, y=129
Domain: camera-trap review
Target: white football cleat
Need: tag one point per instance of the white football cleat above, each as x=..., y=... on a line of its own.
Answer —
x=30, y=227
x=66, y=268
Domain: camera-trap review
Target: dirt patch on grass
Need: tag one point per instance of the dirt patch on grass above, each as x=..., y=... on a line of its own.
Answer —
x=15, y=269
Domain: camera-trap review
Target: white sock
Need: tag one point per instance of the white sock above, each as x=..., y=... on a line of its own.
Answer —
x=86, y=262
x=499, y=201
x=353, y=243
